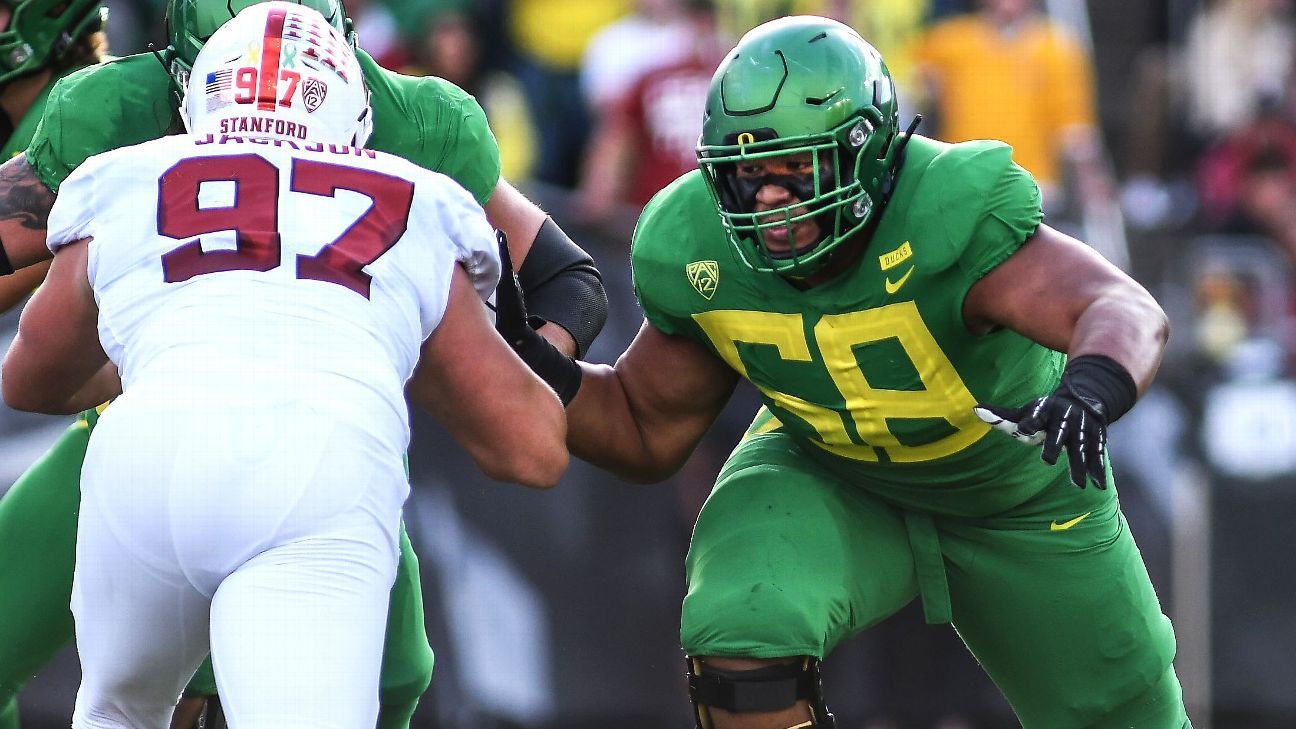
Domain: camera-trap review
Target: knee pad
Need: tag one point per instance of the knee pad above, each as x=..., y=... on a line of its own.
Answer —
x=770, y=688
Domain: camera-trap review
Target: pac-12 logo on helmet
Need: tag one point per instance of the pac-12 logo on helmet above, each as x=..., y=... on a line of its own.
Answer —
x=278, y=69
x=313, y=93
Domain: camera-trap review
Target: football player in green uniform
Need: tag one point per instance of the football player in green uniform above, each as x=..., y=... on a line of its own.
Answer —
x=132, y=99
x=894, y=299
x=41, y=41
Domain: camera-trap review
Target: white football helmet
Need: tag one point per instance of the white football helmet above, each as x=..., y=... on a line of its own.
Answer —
x=278, y=69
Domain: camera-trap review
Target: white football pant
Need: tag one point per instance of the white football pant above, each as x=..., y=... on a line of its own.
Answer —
x=264, y=533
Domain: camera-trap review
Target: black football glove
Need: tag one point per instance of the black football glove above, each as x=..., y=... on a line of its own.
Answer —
x=1057, y=421
x=511, y=320
x=1094, y=392
x=519, y=330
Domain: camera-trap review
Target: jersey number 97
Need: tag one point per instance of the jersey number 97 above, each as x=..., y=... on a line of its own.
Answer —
x=254, y=218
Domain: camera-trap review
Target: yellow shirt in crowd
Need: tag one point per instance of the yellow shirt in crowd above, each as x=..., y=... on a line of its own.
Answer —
x=1024, y=88
x=556, y=32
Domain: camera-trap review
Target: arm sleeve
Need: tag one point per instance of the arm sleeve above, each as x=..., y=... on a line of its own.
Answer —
x=561, y=285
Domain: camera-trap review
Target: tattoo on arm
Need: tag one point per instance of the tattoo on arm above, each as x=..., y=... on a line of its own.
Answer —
x=24, y=199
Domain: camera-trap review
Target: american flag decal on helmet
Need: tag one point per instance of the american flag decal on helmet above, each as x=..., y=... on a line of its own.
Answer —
x=218, y=87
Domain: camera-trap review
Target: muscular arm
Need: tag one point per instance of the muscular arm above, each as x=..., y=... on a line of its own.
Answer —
x=25, y=204
x=506, y=418
x=643, y=417
x=55, y=364
x=1061, y=293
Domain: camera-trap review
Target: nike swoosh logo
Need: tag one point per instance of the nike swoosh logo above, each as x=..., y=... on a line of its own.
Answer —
x=891, y=287
x=1056, y=527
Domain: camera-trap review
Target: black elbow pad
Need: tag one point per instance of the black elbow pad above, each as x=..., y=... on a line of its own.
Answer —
x=561, y=285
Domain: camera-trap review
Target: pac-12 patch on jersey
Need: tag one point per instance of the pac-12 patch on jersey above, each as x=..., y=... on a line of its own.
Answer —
x=705, y=277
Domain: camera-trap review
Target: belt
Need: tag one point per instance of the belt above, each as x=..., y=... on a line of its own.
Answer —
x=929, y=564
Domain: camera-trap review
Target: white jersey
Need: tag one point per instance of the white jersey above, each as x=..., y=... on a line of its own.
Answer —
x=232, y=267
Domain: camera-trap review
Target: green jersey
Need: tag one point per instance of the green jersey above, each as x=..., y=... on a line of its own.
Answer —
x=23, y=131
x=874, y=371
x=130, y=100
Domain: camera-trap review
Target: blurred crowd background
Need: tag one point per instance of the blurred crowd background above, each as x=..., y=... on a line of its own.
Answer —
x=1163, y=133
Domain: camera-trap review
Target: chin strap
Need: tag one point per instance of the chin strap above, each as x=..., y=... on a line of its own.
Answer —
x=177, y=91
x=888, y=185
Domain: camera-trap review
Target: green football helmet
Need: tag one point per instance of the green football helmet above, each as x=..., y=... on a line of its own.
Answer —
x=191, y=22
x=800, y=84
x=41, y=31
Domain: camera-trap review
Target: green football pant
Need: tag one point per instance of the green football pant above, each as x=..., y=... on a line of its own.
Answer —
x=38, y=518
x=789, y=560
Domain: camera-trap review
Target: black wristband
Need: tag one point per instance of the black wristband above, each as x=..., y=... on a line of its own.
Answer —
x=557, y=369
x=6, y=268
x=1101, y=382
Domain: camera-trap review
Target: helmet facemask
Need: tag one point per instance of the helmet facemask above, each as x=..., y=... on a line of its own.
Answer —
x=40, y=32
x=808, y=86
x=832, y=195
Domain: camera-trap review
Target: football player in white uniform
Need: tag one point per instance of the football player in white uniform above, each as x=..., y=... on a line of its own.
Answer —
x=269, y=291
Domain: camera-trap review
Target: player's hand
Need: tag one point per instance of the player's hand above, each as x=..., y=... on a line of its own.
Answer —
x=1061, y=420
x=510, y=308
x=519, y=331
